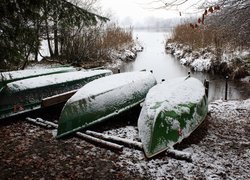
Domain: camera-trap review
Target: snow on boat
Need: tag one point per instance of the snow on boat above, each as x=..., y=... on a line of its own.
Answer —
x=7, y=77
x=171, y=112
x=24, y=95
x=102, y=99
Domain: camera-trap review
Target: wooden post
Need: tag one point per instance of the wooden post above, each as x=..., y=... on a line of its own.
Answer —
x=206, y=84
x=226, y=87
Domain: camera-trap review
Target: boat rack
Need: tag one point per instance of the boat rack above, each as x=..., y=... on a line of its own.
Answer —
x=111, y=142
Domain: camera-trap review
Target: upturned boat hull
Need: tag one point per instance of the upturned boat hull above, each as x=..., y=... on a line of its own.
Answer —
x=171, y=112
x=11, y=76
x=24, y=95
x=102, y=99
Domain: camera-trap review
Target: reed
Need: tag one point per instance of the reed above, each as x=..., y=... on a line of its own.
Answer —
x=201, y=36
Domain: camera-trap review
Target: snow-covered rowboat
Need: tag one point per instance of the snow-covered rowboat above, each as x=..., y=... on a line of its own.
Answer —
x=102, y=99
x=7, y=77
x=171, y=112
x=23, y=95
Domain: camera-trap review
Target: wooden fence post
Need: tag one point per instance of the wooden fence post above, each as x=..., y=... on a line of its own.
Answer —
x=206, y=84
x=226, y=88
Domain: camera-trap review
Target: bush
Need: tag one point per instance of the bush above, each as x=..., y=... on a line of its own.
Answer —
x=94, y=43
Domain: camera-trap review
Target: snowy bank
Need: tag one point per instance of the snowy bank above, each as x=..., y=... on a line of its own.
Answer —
x=127, y=52
x=124, y=53
x=233, y=63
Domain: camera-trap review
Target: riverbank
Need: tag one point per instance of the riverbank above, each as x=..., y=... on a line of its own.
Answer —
x=235, y=64
x=219, y=148
x=125, y=53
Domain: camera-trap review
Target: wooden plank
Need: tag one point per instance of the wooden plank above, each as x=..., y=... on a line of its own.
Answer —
x=94, y=140
x=123, y=141
x=100, y=141
x=41, y=123
x=180, y=155
x=57, y=99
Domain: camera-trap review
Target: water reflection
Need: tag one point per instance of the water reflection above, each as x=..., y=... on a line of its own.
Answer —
x=165, y=66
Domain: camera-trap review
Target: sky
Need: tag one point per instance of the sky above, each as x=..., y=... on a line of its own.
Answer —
x=134, y=11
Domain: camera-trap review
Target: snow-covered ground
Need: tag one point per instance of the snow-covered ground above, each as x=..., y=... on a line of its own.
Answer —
x=220, y=148
x=204, y=59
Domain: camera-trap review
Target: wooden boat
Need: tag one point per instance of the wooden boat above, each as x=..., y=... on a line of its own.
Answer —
x=102, y=99
x=7, y=77
x=171, y=112
x=24, y=95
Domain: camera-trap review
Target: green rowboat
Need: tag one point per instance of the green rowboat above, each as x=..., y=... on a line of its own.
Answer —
x=7, y=77
x=171, y=112
x=102, y=99
x=27, y=94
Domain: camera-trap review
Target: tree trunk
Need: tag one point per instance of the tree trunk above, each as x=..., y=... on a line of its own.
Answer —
x=56, y=52
x=24, y=64
x=48, y=38
x=37, y=40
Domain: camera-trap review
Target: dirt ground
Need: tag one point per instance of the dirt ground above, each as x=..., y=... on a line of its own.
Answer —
x=220, y=149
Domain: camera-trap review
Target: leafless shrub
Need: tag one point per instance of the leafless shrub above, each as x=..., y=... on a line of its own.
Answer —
x=94, y=43
x=115, y=36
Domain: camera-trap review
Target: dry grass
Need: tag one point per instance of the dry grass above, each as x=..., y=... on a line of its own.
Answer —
x=198, y=37
x=115, y=37
x=207, y=35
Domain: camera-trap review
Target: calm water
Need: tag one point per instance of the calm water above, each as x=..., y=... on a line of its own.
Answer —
x=166, y=67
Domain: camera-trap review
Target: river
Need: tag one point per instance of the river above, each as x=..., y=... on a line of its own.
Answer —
x=165, y=66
